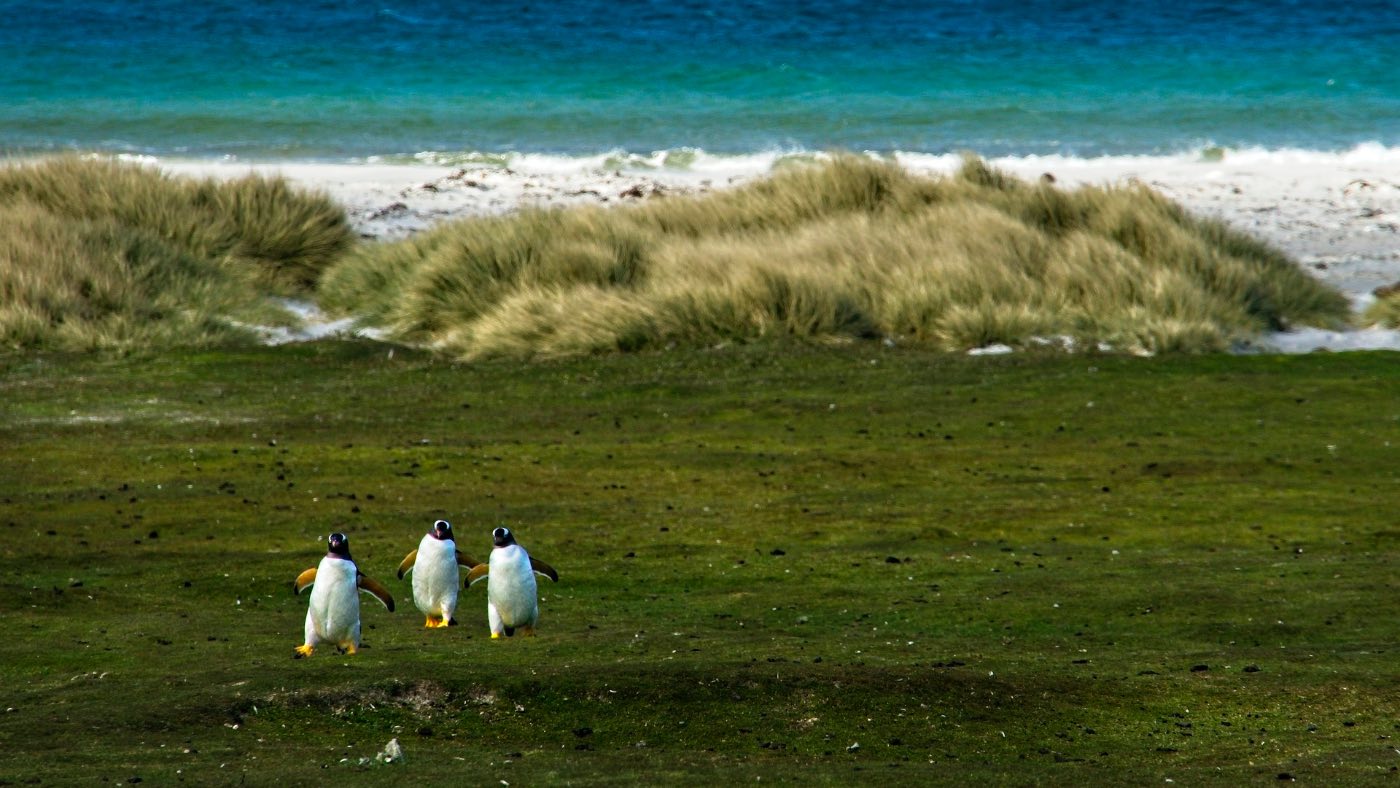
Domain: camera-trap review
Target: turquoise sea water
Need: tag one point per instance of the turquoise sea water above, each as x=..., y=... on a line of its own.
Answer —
x=351, y=81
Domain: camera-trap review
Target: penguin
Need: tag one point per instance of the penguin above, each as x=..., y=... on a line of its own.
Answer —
x=511, y=599
x=334, y=613
x=435, y=576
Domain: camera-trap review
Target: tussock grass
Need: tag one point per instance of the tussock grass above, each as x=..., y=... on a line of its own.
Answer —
x=845, y=250
x=99, y=254
x=1384, y=312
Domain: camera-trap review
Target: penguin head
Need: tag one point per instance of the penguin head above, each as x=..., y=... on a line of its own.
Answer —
x=502, y=537
x=442, y=530
x=339, y=544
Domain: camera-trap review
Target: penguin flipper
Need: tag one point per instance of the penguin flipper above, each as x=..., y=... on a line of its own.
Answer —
x=407, y=562
x=544, y=569
x=370, y=586
x=479, y=571
x=304, y=579
x=465, y=560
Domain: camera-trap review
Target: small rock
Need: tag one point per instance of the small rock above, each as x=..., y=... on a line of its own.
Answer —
x=393, y=753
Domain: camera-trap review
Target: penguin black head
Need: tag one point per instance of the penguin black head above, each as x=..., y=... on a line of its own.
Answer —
x=442, y=530
x=502, y=537
x=339, y=545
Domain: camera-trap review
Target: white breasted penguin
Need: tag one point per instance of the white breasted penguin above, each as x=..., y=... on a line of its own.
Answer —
x=512, y=601
x=334, y=613
x=436, y=579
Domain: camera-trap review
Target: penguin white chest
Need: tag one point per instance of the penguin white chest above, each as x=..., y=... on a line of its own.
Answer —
x=511, y=587
x=436, y=577
x=334, y=609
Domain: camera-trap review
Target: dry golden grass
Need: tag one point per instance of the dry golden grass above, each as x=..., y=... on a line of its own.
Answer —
x=99, y=254
x=844, y=250
x=1384, y=312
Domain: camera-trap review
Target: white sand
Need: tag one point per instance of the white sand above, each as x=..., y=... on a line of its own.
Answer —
x=1337, y=214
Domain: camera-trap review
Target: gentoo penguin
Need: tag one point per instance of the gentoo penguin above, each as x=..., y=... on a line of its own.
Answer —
x=435, y=576
x=334, y=613
x=511, y=600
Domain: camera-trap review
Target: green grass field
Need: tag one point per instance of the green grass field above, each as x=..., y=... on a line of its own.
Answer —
x=777, y=563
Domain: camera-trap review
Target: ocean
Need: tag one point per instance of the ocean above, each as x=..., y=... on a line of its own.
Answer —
x=670, y=83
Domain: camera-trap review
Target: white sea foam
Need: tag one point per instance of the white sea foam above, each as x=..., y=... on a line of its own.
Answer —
x=681, y=161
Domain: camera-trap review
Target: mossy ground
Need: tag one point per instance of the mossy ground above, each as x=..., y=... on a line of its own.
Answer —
x=787, y=563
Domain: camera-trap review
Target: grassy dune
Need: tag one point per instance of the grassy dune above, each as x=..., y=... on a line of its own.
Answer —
x=851, y=249
x=813, y=565
x=97, y=254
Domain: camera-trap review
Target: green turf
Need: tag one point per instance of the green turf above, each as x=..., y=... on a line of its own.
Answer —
x=834, y=565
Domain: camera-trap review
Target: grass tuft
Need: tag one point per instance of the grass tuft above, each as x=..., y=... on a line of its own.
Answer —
x=97, y=254
x=1384, y=312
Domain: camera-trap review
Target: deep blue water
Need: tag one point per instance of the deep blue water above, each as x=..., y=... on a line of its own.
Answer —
x=348, y=80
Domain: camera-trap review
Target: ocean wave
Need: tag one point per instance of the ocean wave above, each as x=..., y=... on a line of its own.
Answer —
x=697, y=163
